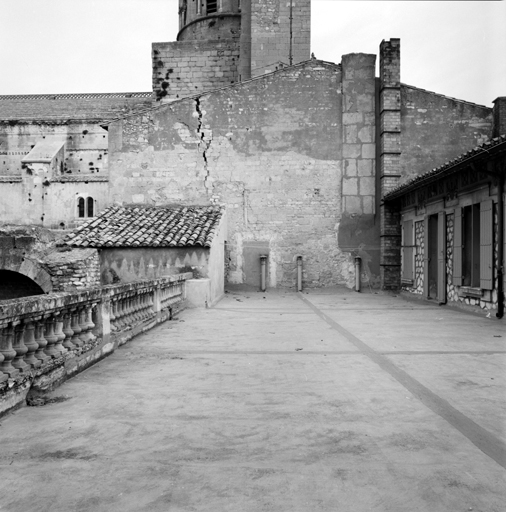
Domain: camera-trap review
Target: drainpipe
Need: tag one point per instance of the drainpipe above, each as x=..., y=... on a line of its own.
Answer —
x=263, y=272
x=500, y=249
x=299, y=273
x=358, y=261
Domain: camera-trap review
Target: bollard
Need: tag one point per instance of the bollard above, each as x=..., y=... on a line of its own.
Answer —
x=299, y=273
x=263, y=272
x=358, y=261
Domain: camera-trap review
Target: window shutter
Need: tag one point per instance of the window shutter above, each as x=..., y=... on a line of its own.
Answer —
x=407, y=250
x=486, y=245
x=441, y=257
x=457, y=247
x=426, y=284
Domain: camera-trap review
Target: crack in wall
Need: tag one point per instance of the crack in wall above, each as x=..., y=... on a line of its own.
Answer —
x=204, y=145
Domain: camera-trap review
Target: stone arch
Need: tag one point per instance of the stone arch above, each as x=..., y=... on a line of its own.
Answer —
x=16, y=285
x=33, y=271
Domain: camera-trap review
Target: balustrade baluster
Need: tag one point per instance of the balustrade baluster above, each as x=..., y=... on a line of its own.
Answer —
x=8, y=353
x=76, y=329
x=112, y=315
x=67, y=330
x=120, y=315
x=89, y=322
x=58, y=331
x=40, y=340
x=51, y=338
x=31, y=344
x=83, y=336
x=20, y=348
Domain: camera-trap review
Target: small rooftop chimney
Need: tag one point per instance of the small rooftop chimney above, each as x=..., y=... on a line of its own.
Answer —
x=499, y=127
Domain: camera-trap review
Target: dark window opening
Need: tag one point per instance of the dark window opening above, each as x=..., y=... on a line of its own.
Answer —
x=85, y=207
x=471, y=246
x=90, y=206
x=212, y=6
x=80, y=207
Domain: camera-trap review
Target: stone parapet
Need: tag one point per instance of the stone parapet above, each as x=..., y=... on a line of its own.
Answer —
x=45, y=340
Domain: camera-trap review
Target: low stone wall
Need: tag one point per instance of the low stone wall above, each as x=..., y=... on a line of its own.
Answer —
x=45, y=340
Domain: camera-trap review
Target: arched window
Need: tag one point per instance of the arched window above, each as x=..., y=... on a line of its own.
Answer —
x=90, y=204
x=81, y=207
x=85, y=207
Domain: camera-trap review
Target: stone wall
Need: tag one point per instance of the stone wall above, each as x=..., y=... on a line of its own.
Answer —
x=436, y=129
x=73, y=270
x=187, y=68
x=418, y=281
x=85, y=146
x=270, y=33
x=269, y=149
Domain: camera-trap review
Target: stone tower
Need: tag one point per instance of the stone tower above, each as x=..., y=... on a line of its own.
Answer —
x=221, y=42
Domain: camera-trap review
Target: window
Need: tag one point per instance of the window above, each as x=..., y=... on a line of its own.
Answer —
x=473, y=246
x=212, y=6
x=85, y=207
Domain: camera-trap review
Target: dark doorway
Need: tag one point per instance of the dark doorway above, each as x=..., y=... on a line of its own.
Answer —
x=14, y=285
x=432, y=255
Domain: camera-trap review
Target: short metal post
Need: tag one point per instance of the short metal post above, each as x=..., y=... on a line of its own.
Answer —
x=358, y=261
x=263, y=272
x=299, y=273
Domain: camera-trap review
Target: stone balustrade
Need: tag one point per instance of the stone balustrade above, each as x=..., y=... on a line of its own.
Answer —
x=46, y=339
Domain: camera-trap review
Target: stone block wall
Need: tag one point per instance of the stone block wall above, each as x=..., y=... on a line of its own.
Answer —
x=359, y=149
x=187, y=68
x=270, y=149
x=270, y=33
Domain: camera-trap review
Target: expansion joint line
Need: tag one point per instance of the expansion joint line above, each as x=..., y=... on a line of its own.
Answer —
x=204, y=144
x=484, y=440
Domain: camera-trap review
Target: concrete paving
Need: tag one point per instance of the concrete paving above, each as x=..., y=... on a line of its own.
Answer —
x=322, y=401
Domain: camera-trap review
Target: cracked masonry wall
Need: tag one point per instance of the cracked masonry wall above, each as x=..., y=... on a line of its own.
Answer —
x=269, y=149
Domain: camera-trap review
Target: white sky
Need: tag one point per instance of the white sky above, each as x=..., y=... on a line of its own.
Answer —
x=62, y=46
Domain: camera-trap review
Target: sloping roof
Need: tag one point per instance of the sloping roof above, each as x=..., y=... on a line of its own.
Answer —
x=149, y=226
x=44, y=151
x=486, y=150
x=57, y=108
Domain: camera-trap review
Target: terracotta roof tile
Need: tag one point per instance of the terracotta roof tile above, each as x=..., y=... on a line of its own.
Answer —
x=57, y=108
x=149, y=226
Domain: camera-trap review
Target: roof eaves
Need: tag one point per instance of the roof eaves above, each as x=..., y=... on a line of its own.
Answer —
x=497, y=145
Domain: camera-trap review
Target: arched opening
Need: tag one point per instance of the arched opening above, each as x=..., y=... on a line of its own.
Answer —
x=14, y=285
x=85, y=206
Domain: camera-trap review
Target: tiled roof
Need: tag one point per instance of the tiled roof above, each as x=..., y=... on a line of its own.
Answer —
x=494, y=145
x=57, y=108
x=149, y=226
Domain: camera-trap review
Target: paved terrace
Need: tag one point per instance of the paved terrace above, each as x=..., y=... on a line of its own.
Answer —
x=331, y=401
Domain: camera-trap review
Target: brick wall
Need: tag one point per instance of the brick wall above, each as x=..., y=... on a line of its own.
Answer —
x=186, y=68
x=76, y=269
x=269, y=149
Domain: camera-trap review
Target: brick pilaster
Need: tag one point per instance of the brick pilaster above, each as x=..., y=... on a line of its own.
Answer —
x=390, y=154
